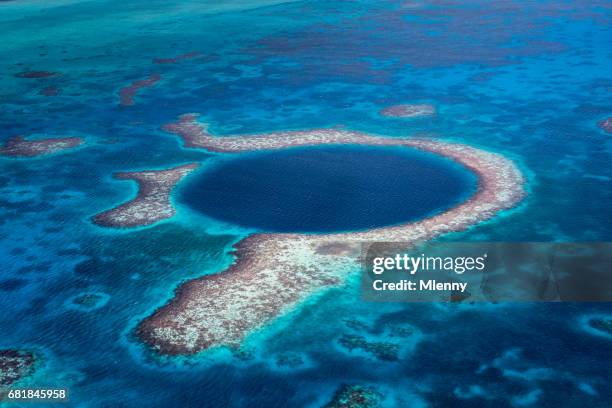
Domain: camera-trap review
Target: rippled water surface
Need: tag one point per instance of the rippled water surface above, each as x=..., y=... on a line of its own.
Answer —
x=527, y=79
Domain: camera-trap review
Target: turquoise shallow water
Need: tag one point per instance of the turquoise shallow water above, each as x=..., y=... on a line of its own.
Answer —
x=527, y=79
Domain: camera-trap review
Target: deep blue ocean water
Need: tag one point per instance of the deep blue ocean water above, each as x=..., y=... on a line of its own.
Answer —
x=328, y=189
x=527, y=79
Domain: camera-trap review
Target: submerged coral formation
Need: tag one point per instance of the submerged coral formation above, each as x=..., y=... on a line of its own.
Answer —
x=88, y=301
x=178, y=58
x=606, y=124
x=356, y=324
x=127, y=94
x=273, y=272
x=290, y=360
x=19, y=146
x=50, y=91
x=15, y=365
x=36, y=74
x=400, y=331
x=384, y=351
x=408, y=111
x=355, y=396
x=602, y=324
x=242, y=354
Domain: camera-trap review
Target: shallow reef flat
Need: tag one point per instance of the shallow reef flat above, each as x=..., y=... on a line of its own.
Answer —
x=152, y=203
x=269, y=275
x=273, y=272
x=15, y=365
x=19, y=146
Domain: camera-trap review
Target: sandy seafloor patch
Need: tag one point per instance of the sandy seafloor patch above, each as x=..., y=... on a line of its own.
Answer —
x=527, y=79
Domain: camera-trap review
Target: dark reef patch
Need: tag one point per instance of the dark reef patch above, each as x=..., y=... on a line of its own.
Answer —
x=242, y=354
x=128, y=93
x=178, y=58
x=603, y=325
x=289, y=360
x=355, y=396
x=15, y=365
x=50, y=91
x=606, y=124
x=36, y=74
x=19, y=146
x=383, y=351
x=88, y=301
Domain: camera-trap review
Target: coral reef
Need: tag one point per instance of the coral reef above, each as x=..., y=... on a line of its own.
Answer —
x=290, y=360
x=356, y=325
x=127, y=94
x=36, y=74
x=381, y=350
x=15, y=365
x=152, y=204
x=19, y=146
x=88, y=301
x=50, y=91
x=273, y=272
x=408, y=111
x=355, y=396
x=242, y=354
x=602, y=324
x=606, y=124
x=178, y=58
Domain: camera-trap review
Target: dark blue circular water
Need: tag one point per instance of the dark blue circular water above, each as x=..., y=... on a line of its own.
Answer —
x=325, y=189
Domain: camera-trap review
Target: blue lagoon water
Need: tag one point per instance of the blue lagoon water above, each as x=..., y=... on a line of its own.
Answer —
x=328, y=189
x=527, y=79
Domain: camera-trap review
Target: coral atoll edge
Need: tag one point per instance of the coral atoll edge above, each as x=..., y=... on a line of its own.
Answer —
x=283, y=269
